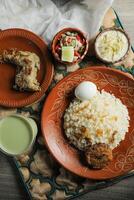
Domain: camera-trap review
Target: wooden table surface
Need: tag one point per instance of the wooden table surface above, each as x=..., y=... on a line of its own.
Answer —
x=10, y=186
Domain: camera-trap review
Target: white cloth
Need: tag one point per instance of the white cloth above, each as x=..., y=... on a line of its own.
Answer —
x=44, y=18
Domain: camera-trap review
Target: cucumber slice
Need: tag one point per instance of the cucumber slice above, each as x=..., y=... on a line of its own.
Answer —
x=73, y=43
x=67, y=53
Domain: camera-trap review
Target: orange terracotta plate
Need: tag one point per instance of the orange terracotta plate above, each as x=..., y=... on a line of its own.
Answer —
x=26, y=41
x=111, y=80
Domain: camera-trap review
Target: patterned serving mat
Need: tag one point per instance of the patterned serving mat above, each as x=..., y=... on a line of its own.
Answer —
x=42, y=176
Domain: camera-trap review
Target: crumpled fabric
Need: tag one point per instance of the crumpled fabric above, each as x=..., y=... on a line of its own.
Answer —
x=44, y=18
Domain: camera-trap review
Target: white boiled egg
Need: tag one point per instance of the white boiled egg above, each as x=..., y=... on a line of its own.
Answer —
x=85, y=90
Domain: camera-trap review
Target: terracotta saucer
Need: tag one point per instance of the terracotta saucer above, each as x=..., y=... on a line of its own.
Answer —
x=56, y=40
x=111, y=80
x=26, y=41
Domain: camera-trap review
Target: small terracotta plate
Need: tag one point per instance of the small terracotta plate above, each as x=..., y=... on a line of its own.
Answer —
x=111, y=80
x=26, y=41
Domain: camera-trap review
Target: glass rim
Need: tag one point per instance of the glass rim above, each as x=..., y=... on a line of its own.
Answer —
x=32, y=141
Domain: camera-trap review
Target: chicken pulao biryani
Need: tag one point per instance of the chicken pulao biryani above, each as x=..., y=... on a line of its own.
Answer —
x=95, y=122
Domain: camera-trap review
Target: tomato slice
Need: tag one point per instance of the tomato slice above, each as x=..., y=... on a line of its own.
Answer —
x=57, y=48
x=76, y=54
x=79, y=38
x=69, y=40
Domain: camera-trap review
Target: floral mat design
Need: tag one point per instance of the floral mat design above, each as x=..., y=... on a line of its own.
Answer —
x=42, y=176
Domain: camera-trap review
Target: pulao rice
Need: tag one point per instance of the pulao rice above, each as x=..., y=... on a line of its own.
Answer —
x=103, y=119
